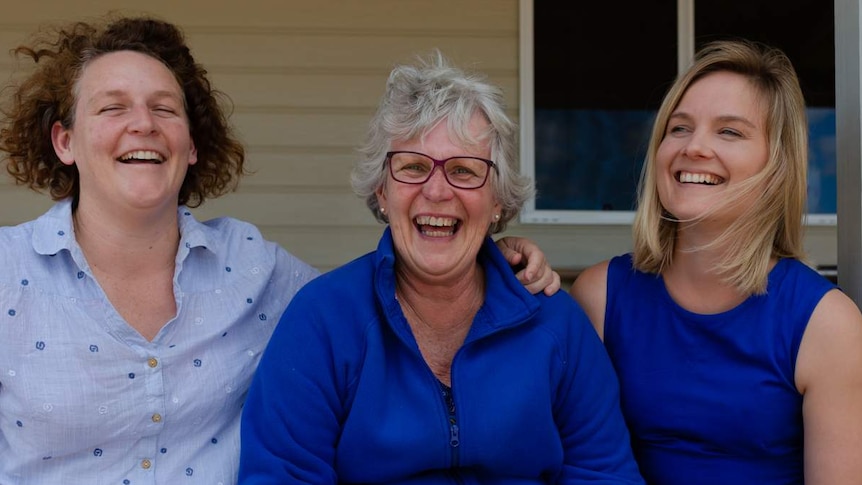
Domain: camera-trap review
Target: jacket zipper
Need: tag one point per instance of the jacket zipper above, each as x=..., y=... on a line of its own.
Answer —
x=454, y=436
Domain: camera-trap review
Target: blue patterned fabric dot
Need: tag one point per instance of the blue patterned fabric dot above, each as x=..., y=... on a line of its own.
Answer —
x=189, y=472
x=214, y=440
x=188, y=245
x=227, y=268
x=250, y=238
x=20, y=424
x=97, y=452
x=126, y=482
x=249, y=301
x=40, y=345
x=262, y=317
x=25, y=282
x=61, y=233
x=80, y=274
x=187, y=213
x=131, y=375
x=224, y=334
x=197, y=362
x=163, y=450
x=12, y=313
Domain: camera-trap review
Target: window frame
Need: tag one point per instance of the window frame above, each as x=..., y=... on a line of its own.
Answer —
x=531, y=215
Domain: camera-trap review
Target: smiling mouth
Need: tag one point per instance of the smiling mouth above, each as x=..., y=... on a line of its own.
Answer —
x=142, y=156
x=698, y=178
x=436, y=226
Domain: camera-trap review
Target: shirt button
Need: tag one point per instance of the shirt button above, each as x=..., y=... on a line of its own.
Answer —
x=157, y=418
x=146, y=464
x=152, y=362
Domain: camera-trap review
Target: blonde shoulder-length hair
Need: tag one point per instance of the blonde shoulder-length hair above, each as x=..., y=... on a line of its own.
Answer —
x=772, y=226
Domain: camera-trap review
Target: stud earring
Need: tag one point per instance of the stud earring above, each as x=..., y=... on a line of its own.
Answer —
x=496, y=217
x=383, y=210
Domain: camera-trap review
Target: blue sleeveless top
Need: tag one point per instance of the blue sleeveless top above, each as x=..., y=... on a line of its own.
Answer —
x=711, y=399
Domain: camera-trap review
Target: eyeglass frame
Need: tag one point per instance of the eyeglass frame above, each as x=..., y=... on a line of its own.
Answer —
x=442, y=165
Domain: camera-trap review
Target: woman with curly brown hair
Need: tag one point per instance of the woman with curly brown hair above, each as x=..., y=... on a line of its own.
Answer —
x=129, y=330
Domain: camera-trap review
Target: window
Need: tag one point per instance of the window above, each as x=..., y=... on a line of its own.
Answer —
x=592, y=80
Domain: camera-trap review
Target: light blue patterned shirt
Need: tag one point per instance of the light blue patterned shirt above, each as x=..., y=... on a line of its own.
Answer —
x=84, y=399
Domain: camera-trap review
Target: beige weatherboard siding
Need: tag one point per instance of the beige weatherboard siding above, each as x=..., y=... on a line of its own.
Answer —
x=305, y=76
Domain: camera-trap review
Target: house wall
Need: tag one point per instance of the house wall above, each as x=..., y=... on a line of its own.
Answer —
x=305, y=77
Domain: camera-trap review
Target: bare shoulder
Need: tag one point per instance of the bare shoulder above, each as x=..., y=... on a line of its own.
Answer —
x=829, y=375
x=590, y=291
x=832, y=340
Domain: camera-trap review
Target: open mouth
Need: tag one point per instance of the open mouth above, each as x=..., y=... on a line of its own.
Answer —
x=698, y=178
x=142, y=156
x=436, y=226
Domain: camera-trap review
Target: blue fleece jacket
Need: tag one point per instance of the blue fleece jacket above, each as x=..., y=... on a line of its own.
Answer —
x=342, y=394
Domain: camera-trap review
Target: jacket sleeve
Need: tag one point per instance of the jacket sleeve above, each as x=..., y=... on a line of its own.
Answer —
x=596, y=443
x=290, y=421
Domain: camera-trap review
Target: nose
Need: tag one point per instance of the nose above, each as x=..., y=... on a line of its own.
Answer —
x=698, y=146
x=142, y=121
x=437, y=187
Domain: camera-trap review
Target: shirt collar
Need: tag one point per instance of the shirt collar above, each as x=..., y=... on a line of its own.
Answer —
x=54, y=232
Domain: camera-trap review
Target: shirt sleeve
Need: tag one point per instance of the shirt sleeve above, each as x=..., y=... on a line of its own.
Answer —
x=596, y=443
x=290, y=421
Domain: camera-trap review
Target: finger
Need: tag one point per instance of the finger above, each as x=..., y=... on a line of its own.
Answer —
x=555, y=285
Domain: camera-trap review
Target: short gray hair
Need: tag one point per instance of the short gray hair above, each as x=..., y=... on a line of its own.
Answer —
x=420, y=96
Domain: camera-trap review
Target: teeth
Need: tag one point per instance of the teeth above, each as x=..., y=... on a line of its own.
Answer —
x=438, y=233
x=142, y=155
x=435, y=221
x=699, y=178
x=446, y=223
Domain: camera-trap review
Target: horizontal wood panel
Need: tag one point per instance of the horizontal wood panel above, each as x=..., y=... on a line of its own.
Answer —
x=325, y=247
x=291, y=209
x=18, y=204
x=331, y=130
x=293, y=169
x=220, y=50
x=304, y=89
x=472, y=15
x=271, y=130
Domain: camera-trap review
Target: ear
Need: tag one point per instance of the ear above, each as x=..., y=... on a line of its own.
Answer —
x=193, y=153
x=61, y=138
x=381, y=195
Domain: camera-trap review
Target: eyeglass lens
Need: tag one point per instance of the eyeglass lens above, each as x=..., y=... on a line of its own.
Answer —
x=461, y=172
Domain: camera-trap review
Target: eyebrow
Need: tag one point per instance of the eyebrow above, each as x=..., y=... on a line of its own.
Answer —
x=114, y=93
x=722, y=118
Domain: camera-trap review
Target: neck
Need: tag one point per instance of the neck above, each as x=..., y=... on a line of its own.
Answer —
x=127, y=243
x=442, y=307
x=693, y=283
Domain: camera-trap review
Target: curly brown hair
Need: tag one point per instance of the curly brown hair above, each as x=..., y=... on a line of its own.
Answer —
x=49, y=95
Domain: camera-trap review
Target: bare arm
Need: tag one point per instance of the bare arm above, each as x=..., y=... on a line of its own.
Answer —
x=590, y=290
x=533, y=269
x=829, y=375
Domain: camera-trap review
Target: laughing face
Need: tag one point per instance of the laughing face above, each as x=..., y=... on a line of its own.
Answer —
x=130, y=139
x=438, y=229
x=715, y=138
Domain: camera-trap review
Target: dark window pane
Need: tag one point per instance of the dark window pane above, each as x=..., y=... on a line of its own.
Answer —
x=600, y=73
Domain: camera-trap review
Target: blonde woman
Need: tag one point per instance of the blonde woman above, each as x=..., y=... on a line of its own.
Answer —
x=737, y=362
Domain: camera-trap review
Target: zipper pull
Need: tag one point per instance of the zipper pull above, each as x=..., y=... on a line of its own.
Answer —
x=454, y=440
